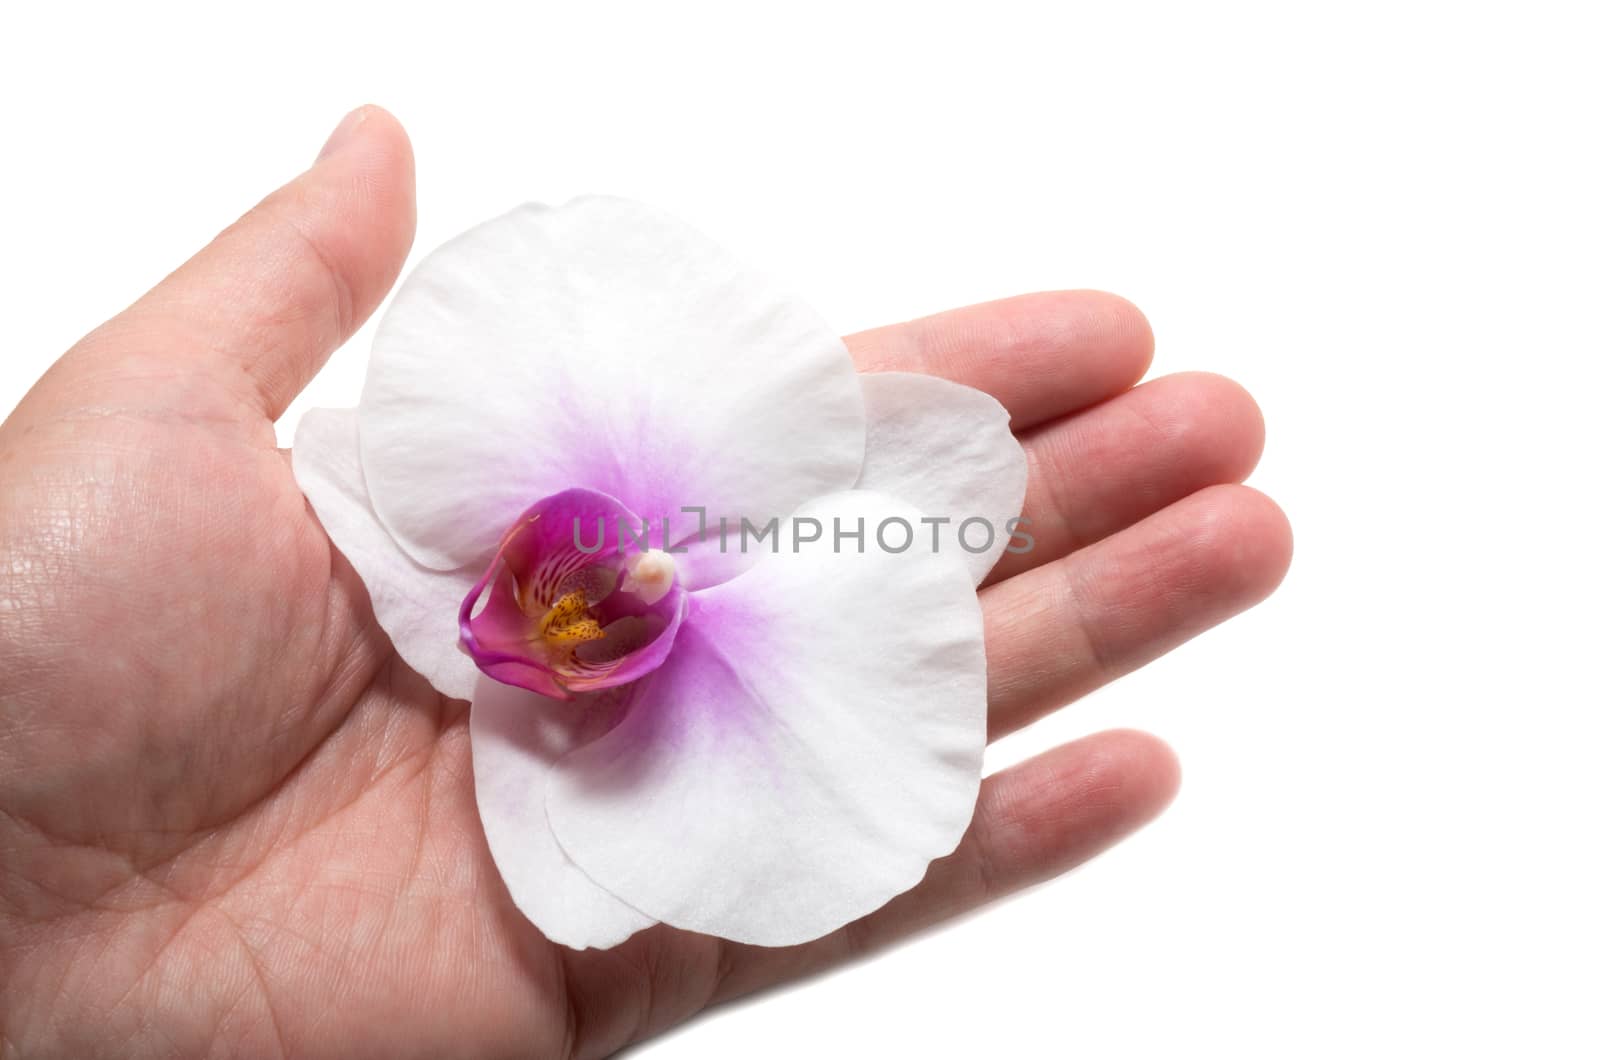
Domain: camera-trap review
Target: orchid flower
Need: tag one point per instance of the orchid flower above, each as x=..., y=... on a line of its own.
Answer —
x=571, y=419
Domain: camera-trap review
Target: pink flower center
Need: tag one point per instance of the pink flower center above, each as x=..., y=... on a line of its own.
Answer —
x=559, y=614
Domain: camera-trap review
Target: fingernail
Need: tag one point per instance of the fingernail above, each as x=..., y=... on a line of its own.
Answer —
x=343, y=133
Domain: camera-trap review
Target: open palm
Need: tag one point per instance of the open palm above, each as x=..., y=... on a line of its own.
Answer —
x=233, y=821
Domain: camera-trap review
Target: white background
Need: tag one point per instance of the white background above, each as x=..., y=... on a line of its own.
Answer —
x=1380, y=218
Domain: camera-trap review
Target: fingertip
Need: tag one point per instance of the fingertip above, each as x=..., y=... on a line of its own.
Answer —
x=1070, y=803
x=1147, y=768
x=1255, y=534
x=1069, y=348
x=362, y=188
x=1220, y=417
x=368, y=122
x=1128, y=341
x=1042, y=355
x=1121, y=778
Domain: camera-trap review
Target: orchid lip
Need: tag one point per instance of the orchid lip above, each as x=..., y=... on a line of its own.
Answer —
x=554, y=617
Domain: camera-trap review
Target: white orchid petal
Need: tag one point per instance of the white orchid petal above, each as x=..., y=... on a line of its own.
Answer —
x=947, y=449
x=416, y=606
x=813, y=741
x=516, y=736
x=606, y=345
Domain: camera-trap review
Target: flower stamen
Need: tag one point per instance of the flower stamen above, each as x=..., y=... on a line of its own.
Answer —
x=568, y=623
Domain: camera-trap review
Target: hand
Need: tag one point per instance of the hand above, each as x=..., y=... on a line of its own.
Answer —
x=233, y=821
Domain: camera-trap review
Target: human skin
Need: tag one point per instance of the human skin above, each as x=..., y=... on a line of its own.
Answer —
x=233, y=822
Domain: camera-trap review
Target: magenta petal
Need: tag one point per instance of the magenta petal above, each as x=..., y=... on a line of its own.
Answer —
x=574, y=540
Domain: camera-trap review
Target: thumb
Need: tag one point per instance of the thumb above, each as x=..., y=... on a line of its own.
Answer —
x=259, y=310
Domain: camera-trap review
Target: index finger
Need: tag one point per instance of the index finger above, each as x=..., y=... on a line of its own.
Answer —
x=1040, y=355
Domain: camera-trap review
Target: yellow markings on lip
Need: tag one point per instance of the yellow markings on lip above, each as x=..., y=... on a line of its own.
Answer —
x=568, y=622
